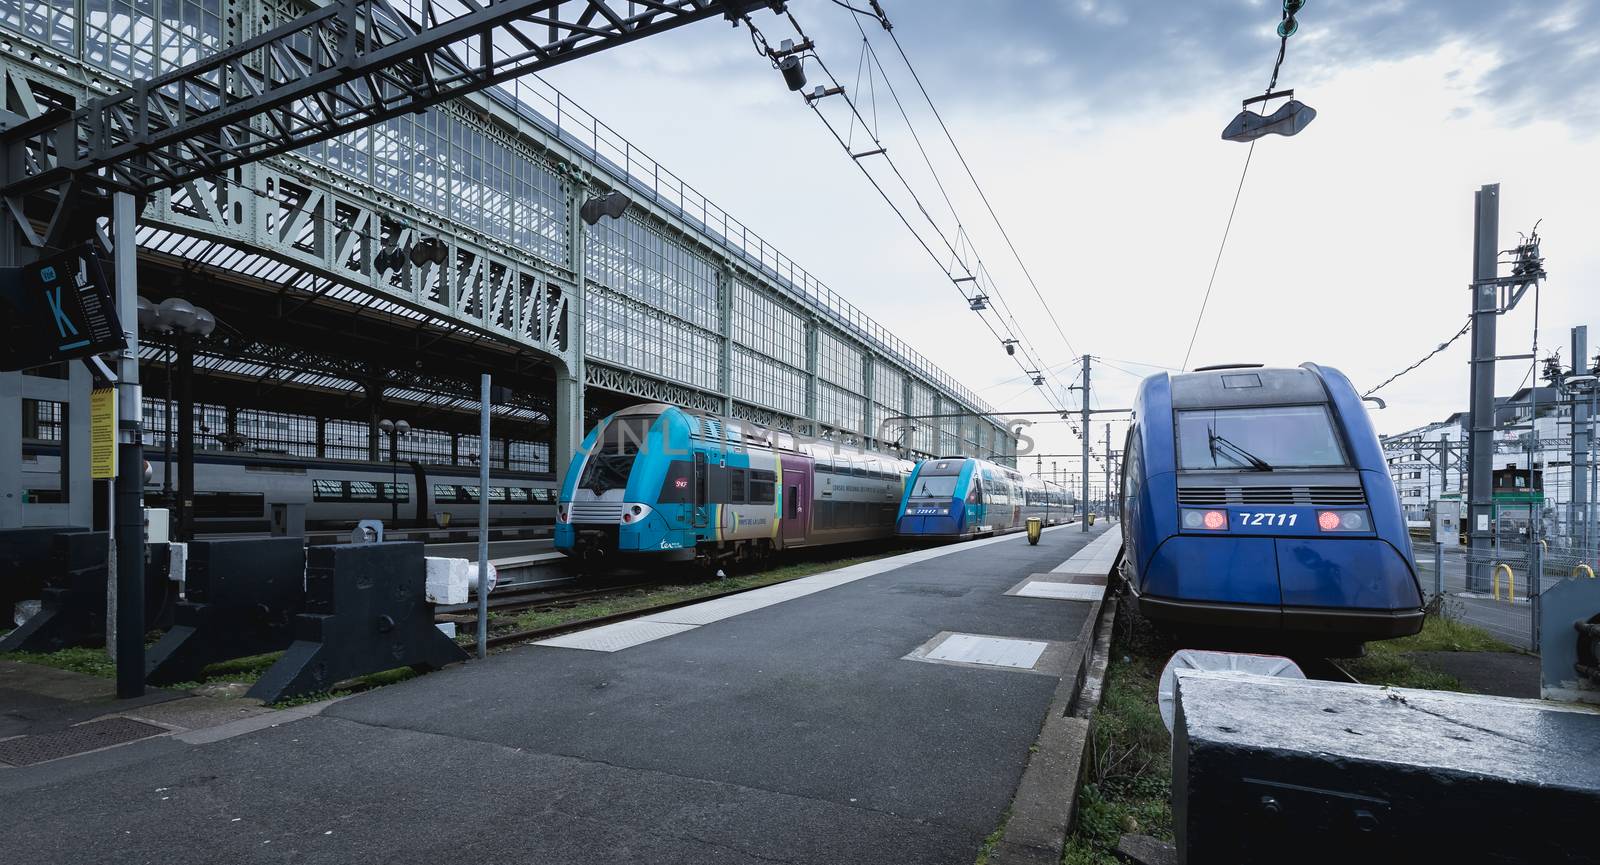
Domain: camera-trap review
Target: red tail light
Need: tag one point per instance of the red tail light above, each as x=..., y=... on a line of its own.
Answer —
x=1216, y=520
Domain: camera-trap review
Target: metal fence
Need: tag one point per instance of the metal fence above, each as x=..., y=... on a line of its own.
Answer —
x=1498, y=590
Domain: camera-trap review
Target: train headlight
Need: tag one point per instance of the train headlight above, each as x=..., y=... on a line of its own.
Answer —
x=1343, y=521
x=633, y=513
x=1213, y=520
x=562, y=512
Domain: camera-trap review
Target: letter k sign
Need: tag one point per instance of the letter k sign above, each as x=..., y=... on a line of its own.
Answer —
x=52, y=296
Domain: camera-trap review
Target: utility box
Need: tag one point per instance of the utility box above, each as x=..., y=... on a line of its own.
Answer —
x=288, y=520
x=1447, y=522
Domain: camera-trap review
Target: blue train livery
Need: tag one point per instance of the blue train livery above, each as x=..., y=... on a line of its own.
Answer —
x=660, y=483
x=1257, y=500
x=956, y=497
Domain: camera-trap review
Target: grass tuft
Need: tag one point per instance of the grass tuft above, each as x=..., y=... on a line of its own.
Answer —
x=1389, y=662
x=1130, y=764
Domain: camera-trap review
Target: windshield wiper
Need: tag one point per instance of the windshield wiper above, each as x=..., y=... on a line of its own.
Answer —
x=599, y=484
x=1239, y=455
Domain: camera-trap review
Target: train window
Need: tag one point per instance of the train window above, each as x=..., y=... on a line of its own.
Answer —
x=736, y=486
x=497, y=494
x=362, y=491
x=216, y=504
x=327, y=491
x=444, y=493
x=1258, y=438
x=763, y=487
x=389, y=492
x=540, y=494
x=516, y=494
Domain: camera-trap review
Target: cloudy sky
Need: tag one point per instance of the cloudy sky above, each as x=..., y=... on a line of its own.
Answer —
x=1094, y=128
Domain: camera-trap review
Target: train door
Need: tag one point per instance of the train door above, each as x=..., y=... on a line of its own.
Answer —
x=796, y=498
x=702, y=490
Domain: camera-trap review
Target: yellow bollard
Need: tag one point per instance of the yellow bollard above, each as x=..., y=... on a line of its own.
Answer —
x=1511, y=582
x=1583, y=567
x=1091, y=519
x=1035, y=528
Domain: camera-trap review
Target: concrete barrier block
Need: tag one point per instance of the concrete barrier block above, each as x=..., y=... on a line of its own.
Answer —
x=447, y=581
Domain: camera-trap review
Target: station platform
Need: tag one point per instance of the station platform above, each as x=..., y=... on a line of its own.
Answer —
x=884, y=712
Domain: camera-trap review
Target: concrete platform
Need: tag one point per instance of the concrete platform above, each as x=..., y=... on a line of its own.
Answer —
x=797, y=730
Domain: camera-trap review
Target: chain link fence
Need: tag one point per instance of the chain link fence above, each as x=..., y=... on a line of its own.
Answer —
x=1498, y=587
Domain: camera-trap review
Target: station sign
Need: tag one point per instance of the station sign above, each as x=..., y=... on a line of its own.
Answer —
x=58, y=308
x=103, y=433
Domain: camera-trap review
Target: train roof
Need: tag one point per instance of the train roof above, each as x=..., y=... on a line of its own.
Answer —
x=1247, y=386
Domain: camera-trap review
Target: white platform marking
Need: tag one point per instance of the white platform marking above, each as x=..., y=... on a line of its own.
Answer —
x=1096, y=557
x=611, y=638
x=989, y=651
x=622, y=635
x=1062, y=591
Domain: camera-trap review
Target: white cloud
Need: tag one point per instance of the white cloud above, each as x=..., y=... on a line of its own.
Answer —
x=1351, y=247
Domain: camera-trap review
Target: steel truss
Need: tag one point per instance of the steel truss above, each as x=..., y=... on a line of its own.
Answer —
x=294, y=209
x=342, y=67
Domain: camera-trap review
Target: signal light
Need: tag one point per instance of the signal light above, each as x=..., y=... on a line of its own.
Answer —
x=1343, y=521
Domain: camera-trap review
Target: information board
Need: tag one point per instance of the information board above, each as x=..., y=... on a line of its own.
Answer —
x=58, y=308
x=103, y=433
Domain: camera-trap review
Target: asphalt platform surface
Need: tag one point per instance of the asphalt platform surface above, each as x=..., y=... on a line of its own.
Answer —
x=792, y=733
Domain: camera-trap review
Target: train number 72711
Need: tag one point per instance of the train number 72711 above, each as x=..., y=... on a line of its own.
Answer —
x=1249, y=519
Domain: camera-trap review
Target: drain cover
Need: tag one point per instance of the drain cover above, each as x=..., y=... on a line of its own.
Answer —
x=27, y=750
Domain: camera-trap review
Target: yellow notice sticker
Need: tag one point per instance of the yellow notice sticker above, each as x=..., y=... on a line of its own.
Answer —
x=103, y=433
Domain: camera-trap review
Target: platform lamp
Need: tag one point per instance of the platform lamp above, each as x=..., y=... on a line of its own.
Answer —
x=184, y=321
x=394, y=429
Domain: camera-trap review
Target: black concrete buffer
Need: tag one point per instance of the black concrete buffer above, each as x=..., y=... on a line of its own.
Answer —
x=366, y=611
x=240, y=599
x=1269, y=770
x=73, y=601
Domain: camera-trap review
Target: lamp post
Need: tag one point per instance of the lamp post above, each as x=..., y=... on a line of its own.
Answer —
x=184, y=321
x=394, y=429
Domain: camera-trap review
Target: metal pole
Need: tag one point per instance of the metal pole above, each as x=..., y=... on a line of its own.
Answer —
x=1108, y=472
x=483, y=516
x=166, y=438
x=1480, y=442
x=129, y=572
x=1084, y=498
x=1578, y=508
x=394, y=479
x=185, y=436
x=1438, y=569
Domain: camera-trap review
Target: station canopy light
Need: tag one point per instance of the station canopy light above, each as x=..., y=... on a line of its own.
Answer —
x=1289, y=119
x=612, y=204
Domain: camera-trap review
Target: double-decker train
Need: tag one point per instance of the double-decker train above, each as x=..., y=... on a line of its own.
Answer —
x=657, y=482
x=1257, y=500
x=235, y=492
x=961, y=497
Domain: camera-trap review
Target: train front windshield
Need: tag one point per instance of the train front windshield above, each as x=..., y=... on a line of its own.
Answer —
x=935, y=487
x=1261, y=438
x=614, y=451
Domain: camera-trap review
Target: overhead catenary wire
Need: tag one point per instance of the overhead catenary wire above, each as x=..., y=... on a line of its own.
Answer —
x=1424, y=359
x=983, y=196
x=1217, y=264
x=1009, y=330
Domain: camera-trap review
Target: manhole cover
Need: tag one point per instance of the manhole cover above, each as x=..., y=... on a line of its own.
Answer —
x=27, y=750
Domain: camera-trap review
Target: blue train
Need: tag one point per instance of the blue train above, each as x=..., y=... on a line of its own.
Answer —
x=1256, y=500
x=658, y=483
x=955, y=497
